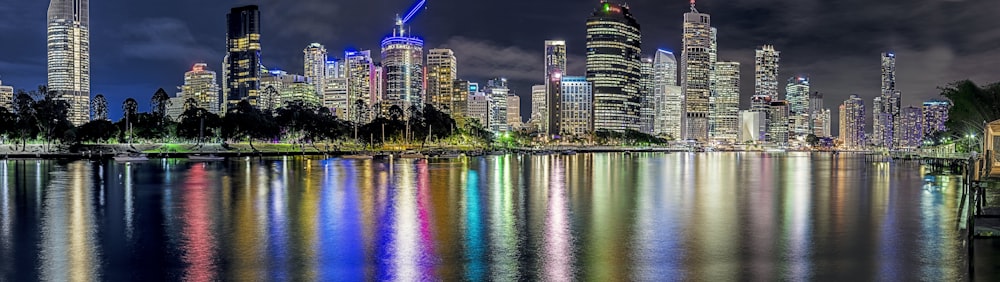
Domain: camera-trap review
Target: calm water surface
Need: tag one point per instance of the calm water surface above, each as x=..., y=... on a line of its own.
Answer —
x=599, y=217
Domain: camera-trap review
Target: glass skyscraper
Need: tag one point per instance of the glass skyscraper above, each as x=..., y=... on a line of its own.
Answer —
x=696, y=73
x=441, y=74
x=68, y=25
x=242, y=65
x=403, y=67
x=613, y=67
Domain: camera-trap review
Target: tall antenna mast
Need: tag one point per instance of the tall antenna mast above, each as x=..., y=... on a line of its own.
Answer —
x=692, y=7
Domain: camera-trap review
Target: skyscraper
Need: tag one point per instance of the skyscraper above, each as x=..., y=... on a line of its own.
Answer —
x=513, y=111
x=403, y=65
x=460, y=98
x=852, y=123
x=766, y=72
x=935, y=116
x=575, y=118
x=479, y=108
x=359, y=70
x=668, y=99
x=442, y=70
x=553, y=105
x=497, y=90
x=696, y=73
x=538, y=115
x=68, y=24
x=335, y=96
x=242, y=65
x=6, y=97
x=200, y=85
x=314, y=63
x=777, y=122
x=797, y=95
x=555, y=69
x=613, y=66
x=910, y=128
x=725, y=103
x=647, y=112
x=887, y=105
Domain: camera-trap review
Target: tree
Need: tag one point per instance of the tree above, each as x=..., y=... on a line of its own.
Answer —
x=96, y=131
x=246, y=121
x=26, y=125
x=130, y=108
x=159, y=103
x=196, y=123
x=9, y=122
x=99, y=107
x=973, y=106
x=395, y=112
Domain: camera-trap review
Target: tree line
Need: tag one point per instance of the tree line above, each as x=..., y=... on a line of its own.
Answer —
x=39, y=115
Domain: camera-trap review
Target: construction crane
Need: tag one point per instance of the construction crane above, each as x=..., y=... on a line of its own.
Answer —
x=413, y=12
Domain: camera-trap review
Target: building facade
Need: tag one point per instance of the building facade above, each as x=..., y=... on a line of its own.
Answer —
x=766, y=72
x=442, y=71
x=498, y=90
x=7, y=97
x=538, y=115
x=696, y=73
x=613, y=66
x=777, y=122
x=555, y=69
x=576, y=111
x=314, y=62
x=403, y=68
x=242, y=66
x=514, y=112
x=359, y=68
x=200, y=84
x=935, y=116
x=668, y=98
x=647, y=112
x=724, y=104
x=886, y=107
x=752, y=128
x=852, y=123
x=460, y=98
x=479, y=108
x=911, y=129
x=335, y=96
x=68, y=27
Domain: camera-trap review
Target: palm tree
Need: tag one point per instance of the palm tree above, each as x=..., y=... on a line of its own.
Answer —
x=160, y=102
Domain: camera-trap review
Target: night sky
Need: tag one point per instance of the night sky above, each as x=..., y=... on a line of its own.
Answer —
x=139, y=46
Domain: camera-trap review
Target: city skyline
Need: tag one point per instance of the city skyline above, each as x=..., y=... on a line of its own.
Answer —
x=121, y=61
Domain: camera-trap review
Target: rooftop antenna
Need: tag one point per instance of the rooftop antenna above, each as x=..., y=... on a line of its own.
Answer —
x=692, y=7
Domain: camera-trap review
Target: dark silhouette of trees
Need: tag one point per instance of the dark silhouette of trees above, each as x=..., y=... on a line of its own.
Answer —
x=99, y=107
x=159, y=103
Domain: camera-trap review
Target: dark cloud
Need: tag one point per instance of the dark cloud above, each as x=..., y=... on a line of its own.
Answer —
x=837, y=42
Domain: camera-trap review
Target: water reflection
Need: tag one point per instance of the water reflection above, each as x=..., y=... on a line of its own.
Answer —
x=607, y=217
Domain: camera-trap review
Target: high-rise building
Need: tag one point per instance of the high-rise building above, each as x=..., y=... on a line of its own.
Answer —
x=576, y=106
x=514, y=111
x=777, y=122
x=766, y=72
x=935, y=116
x=553, y=106
x=335, y=96
x=821, y=123
x=403, y=67
x=613, y=66
x=315, y=69
x=290, y=87
x=442, y=71
x=647, y=112
x=852, y=123
x=555, y=69
x=460, y=97
x=752, y=128
x=200, y=84
x=7, y=97
x=242, y=65
x=668, y=99
x=359, y=68
x=497, y=89
x=334, y=69
x=539, y=116
x=910, y=128
x=724, y=104
x=479, y=108
x=68, y=24
x=886, y=108
x=798, y=97
x=696, y=73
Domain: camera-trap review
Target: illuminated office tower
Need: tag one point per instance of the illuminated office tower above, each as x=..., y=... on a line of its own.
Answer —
x=68, y=26
x=555, y=69
x=358, y=71
x=462, y=89
x=200, y=85
x=821, y=123
x=7, y=97
x=242, y=66
x=513, y=111
x=335, y=96
x=910, y=128
x=724, y=104
x=441, y=75
x=403, y=68
x=538, y=113
x=334, y=68
x=935, y=116
x=497, y=90
x=291, y=88
x=696, y=73
x=479, y=108
x=798, y=97
x=766, y=72
x=314, y=62
x=777, y=122
x=613, y=67
x=667, y=95
x=576, y=107
x=852, y=123
x=647, y=112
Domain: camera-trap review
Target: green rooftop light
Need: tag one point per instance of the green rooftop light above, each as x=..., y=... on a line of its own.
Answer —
x=607, y=7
